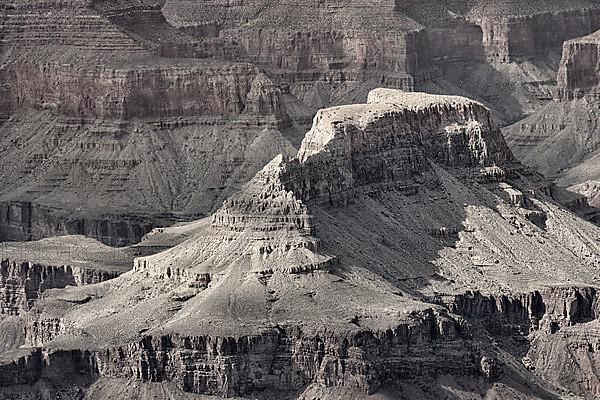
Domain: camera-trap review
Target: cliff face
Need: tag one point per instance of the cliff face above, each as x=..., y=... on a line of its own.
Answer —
x=578, y=75
x=561, y=139
x=299, y=52
x=129, y=96
x=330, y=40
x=512, y=31
x=22, y=283
x=134, y=92
x=338, y=234
x=113, y=135
x=26, y=221
x=86, y=65
x=501, y=52
x=326, y=358
x=470, y=138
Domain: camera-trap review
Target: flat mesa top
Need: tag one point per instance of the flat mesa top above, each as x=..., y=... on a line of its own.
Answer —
x=416, y=100
x=591, y=38
x=382, y=101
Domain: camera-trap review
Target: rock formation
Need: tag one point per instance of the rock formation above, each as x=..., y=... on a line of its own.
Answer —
x=561, y=139
x=501, y=52
x=109, y=131
x=514, y=29
x=399, y=249
x=403, y=246
x=150, y=111
x=577, y=77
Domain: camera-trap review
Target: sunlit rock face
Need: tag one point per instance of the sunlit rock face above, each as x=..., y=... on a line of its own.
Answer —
x=405, y=223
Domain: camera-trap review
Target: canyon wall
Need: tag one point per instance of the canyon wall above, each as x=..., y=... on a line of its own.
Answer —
x=512, y=35
x=99, y=107
x=22, y=283
x=26, y=221
x=277, y=359
x=578, y=75
x=299, y=52
x=322, y=41
x=288, y=357
x=561, y=140
x=340, y=234
x=151, y=91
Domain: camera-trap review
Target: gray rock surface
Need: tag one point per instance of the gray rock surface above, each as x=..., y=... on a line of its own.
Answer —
x=325, y=277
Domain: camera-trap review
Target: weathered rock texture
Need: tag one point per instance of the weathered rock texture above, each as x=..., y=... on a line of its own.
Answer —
x=138, y=91
x=27, y=221
x=112, y=95
x=108, y=132
x=22, y=283
x=325, y=274
x=562, y=138
x=578, y=74
x=514, y=29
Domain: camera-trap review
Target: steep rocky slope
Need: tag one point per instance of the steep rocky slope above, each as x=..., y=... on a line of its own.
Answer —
x=403, y=253
x=109, y=132
x=562, y=138
x=29, y=270
x=504, y=53
x=122, y=115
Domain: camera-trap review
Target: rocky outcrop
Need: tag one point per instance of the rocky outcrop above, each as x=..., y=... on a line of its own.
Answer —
x=22, y=283
x=578, y=76
x=262, y=239
x=123, y=93
x=286, y=357
x=397, y=139
x=338, y=234
x=28, y=369
x=513, y=31
x=368, y=38
x=561, y=140
x=278, y=359
x=590, y=190
x=120, y=121
x=27, y=221
x=546, y=309
x=569, y=356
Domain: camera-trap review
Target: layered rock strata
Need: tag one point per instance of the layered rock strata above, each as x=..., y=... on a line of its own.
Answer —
x=514, y=30
x=561, y=139
x=338, y=234
x=368, y=40
x=578, y=75
x=106, y=92
x=23, y=282
x=100, y=110
x=26, y=221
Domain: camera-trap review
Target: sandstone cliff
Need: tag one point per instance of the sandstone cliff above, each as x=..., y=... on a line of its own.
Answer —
x=577, y=76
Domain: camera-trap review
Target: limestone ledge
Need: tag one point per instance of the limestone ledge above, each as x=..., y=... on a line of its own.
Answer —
x=23, y=283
